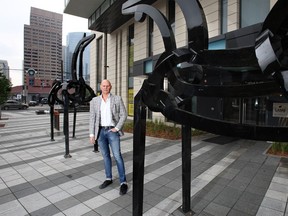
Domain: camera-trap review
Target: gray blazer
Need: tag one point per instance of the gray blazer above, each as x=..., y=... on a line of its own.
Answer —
x=119, y=114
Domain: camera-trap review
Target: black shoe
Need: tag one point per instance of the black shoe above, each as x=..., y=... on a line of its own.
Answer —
x=105, y=184
x=123, y=189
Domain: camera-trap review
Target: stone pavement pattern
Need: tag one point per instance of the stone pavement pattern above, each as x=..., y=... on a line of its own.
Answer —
x=229, y=176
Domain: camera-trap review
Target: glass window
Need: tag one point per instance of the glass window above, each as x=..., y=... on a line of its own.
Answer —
x=224, y=15
x=150, y=36
x=216, y=45
x=253, y=12
x=99, y=62
x=131, y=49
x=105, y=5
x=148, y=66
x=130, y=68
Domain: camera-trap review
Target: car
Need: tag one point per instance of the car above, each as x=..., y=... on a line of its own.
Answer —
x=13, y=104
x=33, y=103
x=44, y=101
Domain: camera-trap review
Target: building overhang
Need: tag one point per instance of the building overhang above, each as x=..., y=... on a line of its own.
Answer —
x=82, y=9
x=109, y=20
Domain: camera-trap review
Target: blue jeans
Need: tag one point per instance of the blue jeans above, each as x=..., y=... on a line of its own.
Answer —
x=105, y=139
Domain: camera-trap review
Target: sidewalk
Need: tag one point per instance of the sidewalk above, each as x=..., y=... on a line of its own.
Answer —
x=229, y=176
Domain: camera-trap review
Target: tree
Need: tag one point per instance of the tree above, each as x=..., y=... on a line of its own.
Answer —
x=5, y=89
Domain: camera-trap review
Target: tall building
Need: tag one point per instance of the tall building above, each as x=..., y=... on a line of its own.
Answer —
x=42, y=51
x=125, y=51
x=4, y=68
x=72, y=40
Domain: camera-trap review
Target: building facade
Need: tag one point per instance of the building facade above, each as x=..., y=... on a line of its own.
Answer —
x=125, y=51
x=42, y=53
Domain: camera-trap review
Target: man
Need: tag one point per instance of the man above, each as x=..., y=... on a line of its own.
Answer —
x=107, y=117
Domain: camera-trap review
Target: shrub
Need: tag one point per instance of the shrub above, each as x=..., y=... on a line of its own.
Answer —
x=161, y=130
x=281, y=147
x=284, y=147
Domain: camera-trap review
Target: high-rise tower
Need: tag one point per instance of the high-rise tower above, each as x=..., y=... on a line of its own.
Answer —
x=42, y=48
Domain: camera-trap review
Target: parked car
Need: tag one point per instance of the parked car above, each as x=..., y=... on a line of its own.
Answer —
x=13, y=104
x=44, y=101
x=33, y=103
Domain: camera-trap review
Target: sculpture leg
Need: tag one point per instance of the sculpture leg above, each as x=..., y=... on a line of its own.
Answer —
x=66, y=123
x=186, y=168
x=52, y=122
x=74, y=121
x=138, y=155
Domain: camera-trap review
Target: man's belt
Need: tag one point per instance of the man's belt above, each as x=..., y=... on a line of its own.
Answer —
x=106, y=127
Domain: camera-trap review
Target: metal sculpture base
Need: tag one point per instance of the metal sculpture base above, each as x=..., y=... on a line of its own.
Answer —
x=189, y=213
x=67, y=156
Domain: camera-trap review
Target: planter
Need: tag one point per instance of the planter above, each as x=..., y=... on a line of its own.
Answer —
x=278, y=149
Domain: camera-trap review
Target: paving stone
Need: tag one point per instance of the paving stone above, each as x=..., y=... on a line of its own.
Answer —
x=86, y=195
x=276, y=195
x=210, y=191
x=239, y=183
x=254, y=189
x=203, y=214
x=274, y=204
x=216, y=210
x=77, y=210
x=228, y=197
x=56, y=197
x=12, y=208
x=221, y=181
x=174, y=185
x=91, y=213
x=25, y=192
x=198, y=204
x=251, y=198
x=122, y=212
x=46, y=211
x=5, y=191
x=268, y=212
x=164, y=191
x=152, y=186
x=7, y=198
x=246, y=207
x=66, y=203
x=20, y=187
x=259, y=182
x=123, y=201
x=108, y=209
x=146, y=207
x=39, y=181
x=162, y=180
x=234, y=212
x=44, y=186
x=34, y=202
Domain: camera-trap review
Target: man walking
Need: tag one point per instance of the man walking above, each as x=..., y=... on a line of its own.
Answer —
x=107, y=117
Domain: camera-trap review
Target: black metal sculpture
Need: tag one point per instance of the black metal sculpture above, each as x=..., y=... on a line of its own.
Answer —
x=72, y=93
x=263, y=65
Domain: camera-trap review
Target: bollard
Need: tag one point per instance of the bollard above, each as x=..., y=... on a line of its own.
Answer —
x=56, y=120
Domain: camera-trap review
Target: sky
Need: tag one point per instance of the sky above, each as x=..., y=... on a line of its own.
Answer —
x=14, y=14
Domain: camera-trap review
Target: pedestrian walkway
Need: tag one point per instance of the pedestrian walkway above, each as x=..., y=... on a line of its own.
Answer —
x=229, y=176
